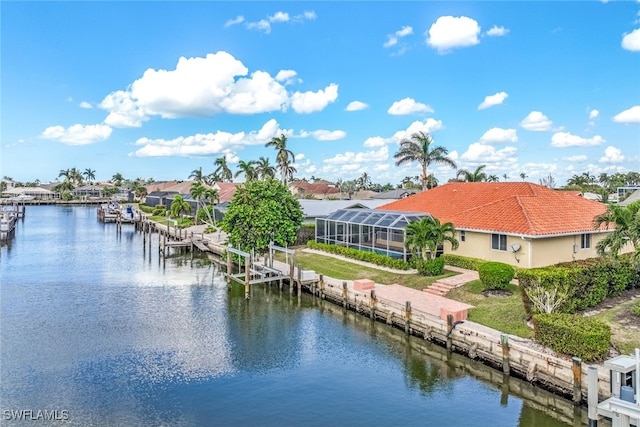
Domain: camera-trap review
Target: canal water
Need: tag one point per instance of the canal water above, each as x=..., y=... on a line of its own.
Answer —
x=97, y=329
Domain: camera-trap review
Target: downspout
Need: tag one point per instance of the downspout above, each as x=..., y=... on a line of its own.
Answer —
x=529, y=256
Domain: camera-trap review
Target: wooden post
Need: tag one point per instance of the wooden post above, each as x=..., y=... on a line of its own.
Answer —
x=504, y=342
x=372, y=312
x=321, y=284
x=299, y=279
x=246, y=278
x=576, y=367
x=449, y=326
x=407, y=316
x=229, y=267
x=592, y=396
x=345, y=295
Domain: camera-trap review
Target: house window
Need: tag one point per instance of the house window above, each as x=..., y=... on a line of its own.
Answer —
x=499, y=242
x=463, y=236
x=585, y=241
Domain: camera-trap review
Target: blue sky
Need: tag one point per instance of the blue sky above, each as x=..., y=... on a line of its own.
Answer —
x=158, y=89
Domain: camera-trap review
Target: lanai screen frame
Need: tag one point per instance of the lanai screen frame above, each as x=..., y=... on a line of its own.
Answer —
x=373, y=230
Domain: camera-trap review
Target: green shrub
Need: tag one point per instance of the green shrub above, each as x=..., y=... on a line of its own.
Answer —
x=584, y=337
x=429, y=267
x=145, y=208
x=159, y=211
x=462, y=261
x=635, y=308
x=496, y=275
x=371, y=257
x=305, y=233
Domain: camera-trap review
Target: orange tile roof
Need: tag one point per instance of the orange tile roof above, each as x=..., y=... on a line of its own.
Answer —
x=521, y=208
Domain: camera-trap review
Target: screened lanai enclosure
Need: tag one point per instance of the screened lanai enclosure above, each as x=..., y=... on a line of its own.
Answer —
x=371, y=230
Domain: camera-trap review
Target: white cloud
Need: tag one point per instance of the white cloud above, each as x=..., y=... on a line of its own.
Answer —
x=576, y=159
x=202, y=87
x=631, y=41
x=238, y=20
x=309, y=102
x=612, y=155
x=279, y=17
x=356, y=106
x=85, y=104
x=124, y=112
x=492, y=100
x=408, y=106
x=496, y=31
x=449, y=32
x=392, y=39
x=565, y=139
x=499, y=135
x=207, y=144
x=350, y=157
x=286, y=76
x=630, y=116
x=328, y=135
x=486, y=154
x=594, y=114
x=428, y=126
x=375, y=141
x=77, y=134
x=536, y=121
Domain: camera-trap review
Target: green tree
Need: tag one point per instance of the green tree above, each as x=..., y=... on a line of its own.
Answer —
x=428, y=234
x=247, y=169
x=179, y=206
x=260, y=212
x=523, y=175
x=197, y=175
x=89, y=174
x=222, y=170
x=364, y=182
x=548, y=181
x=418, y=149
x=626, y=220
x=264, y=168
x=284, y=156
x=117, y=179
x=478, y=175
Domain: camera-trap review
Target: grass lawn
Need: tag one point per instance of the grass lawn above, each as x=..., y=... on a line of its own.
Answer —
x=504, y=313
x=626, y=339
x=182, y=222
x=345, y=270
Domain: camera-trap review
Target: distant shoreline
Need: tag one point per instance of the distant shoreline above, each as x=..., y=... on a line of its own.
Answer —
x=57, y=202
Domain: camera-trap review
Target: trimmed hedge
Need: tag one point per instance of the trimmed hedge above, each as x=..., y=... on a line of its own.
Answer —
x=145, y=208
x=584, y=337
x=462, y=261
x=496, y=275
x=371, y=257
x=429, y=267
x=589, y=281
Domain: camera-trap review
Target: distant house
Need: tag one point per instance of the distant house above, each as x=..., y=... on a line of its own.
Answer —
x=398, y=193
x=34, y=193
x=226, y=190
x=518, y=223
x=631, y=198
x=156, y=198
x=319, y=189
x=89, y=191
x=313, y=209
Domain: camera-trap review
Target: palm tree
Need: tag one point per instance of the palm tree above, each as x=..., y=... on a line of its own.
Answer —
x=493, y=178
x=247, y=169
x=364, y=182
x=627, y=230
x=283, y=154
x=179, y=205
x=350, y=187
x=432, y=181
x=117, y=179
x=476, y=176
x=211, y=179
x=89, y=174
x=418, y=149
x=223, y=170
x=197, y=175
x=140, y=192
x=548, y=181
x=505, y=176
x=264, y=169
x=197, y=191
x=523, y=175
x=287, y=171
x=428, y=234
